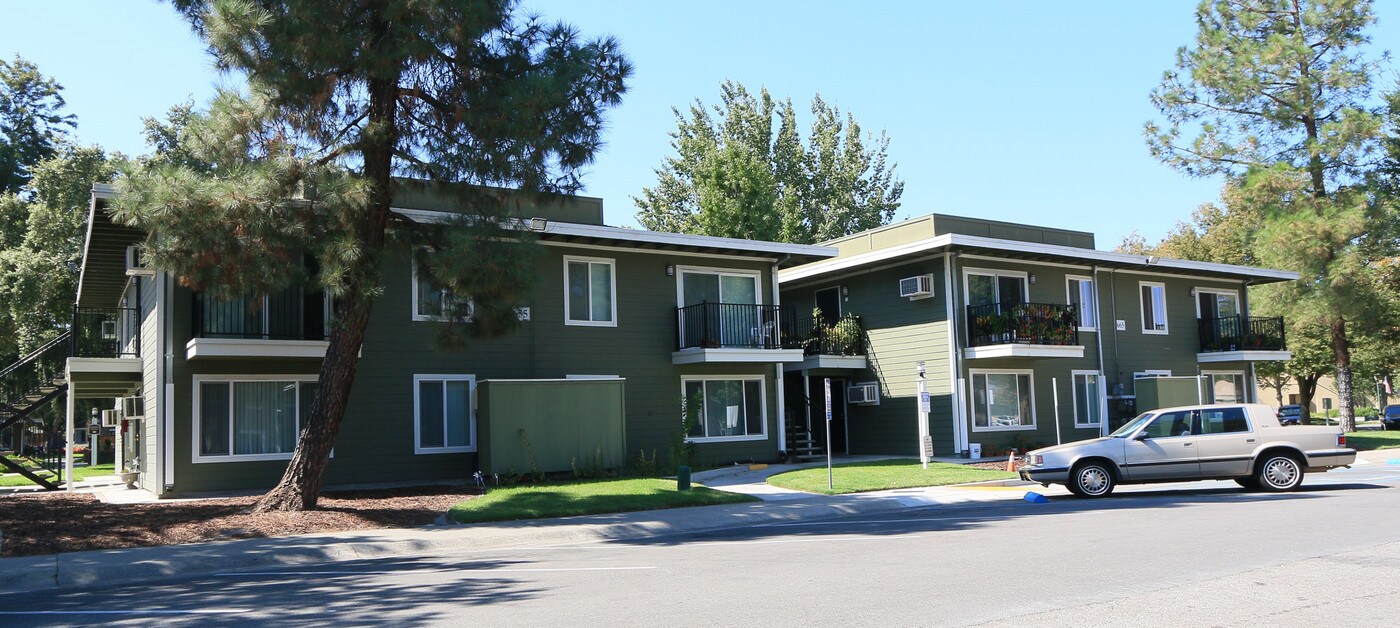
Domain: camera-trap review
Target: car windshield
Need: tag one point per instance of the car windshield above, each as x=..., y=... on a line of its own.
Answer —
x=1131, y=426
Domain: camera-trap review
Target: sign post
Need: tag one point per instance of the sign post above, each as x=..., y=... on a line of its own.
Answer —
x=827, y=385
x=925, y=440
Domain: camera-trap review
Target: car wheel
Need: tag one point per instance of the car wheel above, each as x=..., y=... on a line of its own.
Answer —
x=1278, y=472
x=1091, y=479
x=1249, y=483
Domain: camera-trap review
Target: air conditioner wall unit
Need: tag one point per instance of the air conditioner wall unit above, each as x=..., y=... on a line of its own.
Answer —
x=866, y=393
x=110, y=418
x=133, y=407
x=136, y=262
x=917, y=287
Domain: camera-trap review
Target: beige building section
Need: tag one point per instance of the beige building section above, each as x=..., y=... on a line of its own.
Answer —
x=1324, y=397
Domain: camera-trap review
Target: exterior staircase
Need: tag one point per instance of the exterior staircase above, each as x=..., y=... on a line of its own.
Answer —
x=26, y=388
x=802, y=444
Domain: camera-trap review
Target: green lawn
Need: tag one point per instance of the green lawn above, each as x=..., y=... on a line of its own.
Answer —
x=881, y=475
x=82, y=473
x=586, y=498
x=1374, y=439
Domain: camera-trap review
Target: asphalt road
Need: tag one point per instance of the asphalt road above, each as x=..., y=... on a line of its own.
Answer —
x=1164, y=555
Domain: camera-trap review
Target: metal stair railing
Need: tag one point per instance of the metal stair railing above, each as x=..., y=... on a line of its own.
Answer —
x=26, y=387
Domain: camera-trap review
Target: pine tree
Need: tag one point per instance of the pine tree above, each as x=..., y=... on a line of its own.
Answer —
x=31, y=121
x=343, y=97
x=1275, y=94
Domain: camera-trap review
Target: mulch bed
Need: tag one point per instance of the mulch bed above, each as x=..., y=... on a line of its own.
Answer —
x=994, y=465
x=47, y=523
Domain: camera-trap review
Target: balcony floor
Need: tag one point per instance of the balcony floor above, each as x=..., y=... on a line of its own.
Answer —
x=732, y=355
x=1022, y=350
x=842, y=362
x=1246, y=355
x=255, y=348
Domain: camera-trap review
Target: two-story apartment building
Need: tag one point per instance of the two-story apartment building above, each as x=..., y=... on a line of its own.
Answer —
x=215, y=389
x=1027, y=335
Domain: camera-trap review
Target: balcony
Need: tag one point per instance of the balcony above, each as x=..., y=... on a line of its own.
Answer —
x=731, y=332
x=1023, y=330
x=838, y=345
x=1241, y=339
x=289, y=324
x=104, y=350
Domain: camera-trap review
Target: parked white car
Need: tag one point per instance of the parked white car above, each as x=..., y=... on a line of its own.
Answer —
x=1242, y=442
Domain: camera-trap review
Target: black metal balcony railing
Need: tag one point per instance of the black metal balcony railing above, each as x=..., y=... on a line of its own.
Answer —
x=816, y=337
x=292, y=314
x=1022, y=323
x=729, y=325
x=105, y=332
x=1239, y=333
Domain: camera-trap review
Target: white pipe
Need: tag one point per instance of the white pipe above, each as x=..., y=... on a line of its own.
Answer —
x=68, y=435
x=1055, y=398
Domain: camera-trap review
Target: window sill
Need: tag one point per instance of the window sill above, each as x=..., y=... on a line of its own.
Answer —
x=419, y=451
x=1154, y=332
x=725, y=439
x=1021, y=428
x=242, y=458
x=572, y=323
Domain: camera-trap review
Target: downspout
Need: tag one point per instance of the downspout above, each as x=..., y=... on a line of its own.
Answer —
x=959, y=418
x=166, y=396
x=1117, y=365
x=781, y=423
x=1098, y=340
x=1251, y=392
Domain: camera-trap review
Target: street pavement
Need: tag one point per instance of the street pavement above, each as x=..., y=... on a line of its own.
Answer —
x=1203, y=553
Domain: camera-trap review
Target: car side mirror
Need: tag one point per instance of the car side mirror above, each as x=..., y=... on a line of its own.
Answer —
x=1143, y=435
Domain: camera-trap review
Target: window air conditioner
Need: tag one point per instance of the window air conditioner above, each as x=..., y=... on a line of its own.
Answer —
x=136, y=262
x=867, y=393
x=133, y=407
x=919, y=287
x=110, y=418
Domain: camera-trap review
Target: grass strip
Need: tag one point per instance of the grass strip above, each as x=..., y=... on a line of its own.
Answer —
x=586, y=498
x=880, y=475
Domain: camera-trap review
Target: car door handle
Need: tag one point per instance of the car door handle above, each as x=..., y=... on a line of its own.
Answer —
x=1187, y=444
x=1249, y=440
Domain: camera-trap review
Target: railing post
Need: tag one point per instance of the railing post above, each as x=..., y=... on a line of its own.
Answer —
x=73, y=334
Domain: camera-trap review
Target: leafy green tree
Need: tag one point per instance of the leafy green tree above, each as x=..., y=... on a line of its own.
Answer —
x=31, y=121
x=1275, y=93
x=735, y=175
x=41, y=245
x=343, y=96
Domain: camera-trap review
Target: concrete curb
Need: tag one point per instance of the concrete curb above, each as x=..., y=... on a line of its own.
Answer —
x=149, y=564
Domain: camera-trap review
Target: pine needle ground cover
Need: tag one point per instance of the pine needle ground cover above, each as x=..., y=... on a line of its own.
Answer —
x=880, y=475
x=586, y=498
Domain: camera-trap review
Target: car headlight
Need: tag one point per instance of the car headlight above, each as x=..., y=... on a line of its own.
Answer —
x=1034, y=459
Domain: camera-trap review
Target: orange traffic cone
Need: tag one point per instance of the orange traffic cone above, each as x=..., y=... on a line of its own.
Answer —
x=1011, y=461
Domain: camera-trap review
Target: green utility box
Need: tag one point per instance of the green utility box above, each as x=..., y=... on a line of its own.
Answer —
x=567, y=423
x=1167, y=392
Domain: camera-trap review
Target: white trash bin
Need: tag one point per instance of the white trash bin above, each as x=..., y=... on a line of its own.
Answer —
x=974, y=451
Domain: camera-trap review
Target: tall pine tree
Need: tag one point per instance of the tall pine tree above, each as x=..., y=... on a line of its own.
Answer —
x=343, y=97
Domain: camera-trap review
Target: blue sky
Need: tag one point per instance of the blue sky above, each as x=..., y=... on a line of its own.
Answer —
x=1021, y=111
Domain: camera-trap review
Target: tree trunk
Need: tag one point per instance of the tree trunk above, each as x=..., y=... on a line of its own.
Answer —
x=1342, y=352
x=300, y=485
x=1307, y=387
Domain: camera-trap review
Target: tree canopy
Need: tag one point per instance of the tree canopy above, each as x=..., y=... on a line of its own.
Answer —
x=342, y=98
x=32, y=123
x=737, y=175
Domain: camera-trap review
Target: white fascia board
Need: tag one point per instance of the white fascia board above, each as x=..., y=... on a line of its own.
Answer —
x=652, y=237
x=1017, y=350
x=1105, y=257
x=1250, y=355
x=711, y=356
x=254, y=348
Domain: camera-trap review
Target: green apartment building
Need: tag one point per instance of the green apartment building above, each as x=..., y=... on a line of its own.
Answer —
x=1027, y=335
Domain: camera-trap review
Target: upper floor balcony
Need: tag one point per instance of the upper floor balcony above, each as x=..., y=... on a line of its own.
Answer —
x=288, y=324
x=1241, y=338
x=732, y=332
x=1031, y=330
x=838, y=343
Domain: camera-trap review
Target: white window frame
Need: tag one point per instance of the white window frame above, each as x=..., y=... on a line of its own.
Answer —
x=710, y=270
x=612, y=278
x=446, y=294
x=1240, y=390
x=418, y=448
x=762, y=407
x=972, y=401
x=993, y=272
x=1074, y=398
x=1166, y=327
x=592, y=377
x=200, y=380
x=1199, y=289
x=1093, y=307
x=839, y=306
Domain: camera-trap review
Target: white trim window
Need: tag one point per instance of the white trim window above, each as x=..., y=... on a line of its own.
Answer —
x=1154, y=307
x=986, y=286
x=444, y=414
x=590, y=291
x=1216, y=302
x=1079, y=292
x=1088, y=393
x=724, y=408
x=1225, y=386
x=249, y=417
x=1002, y=400
x=431, y=303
